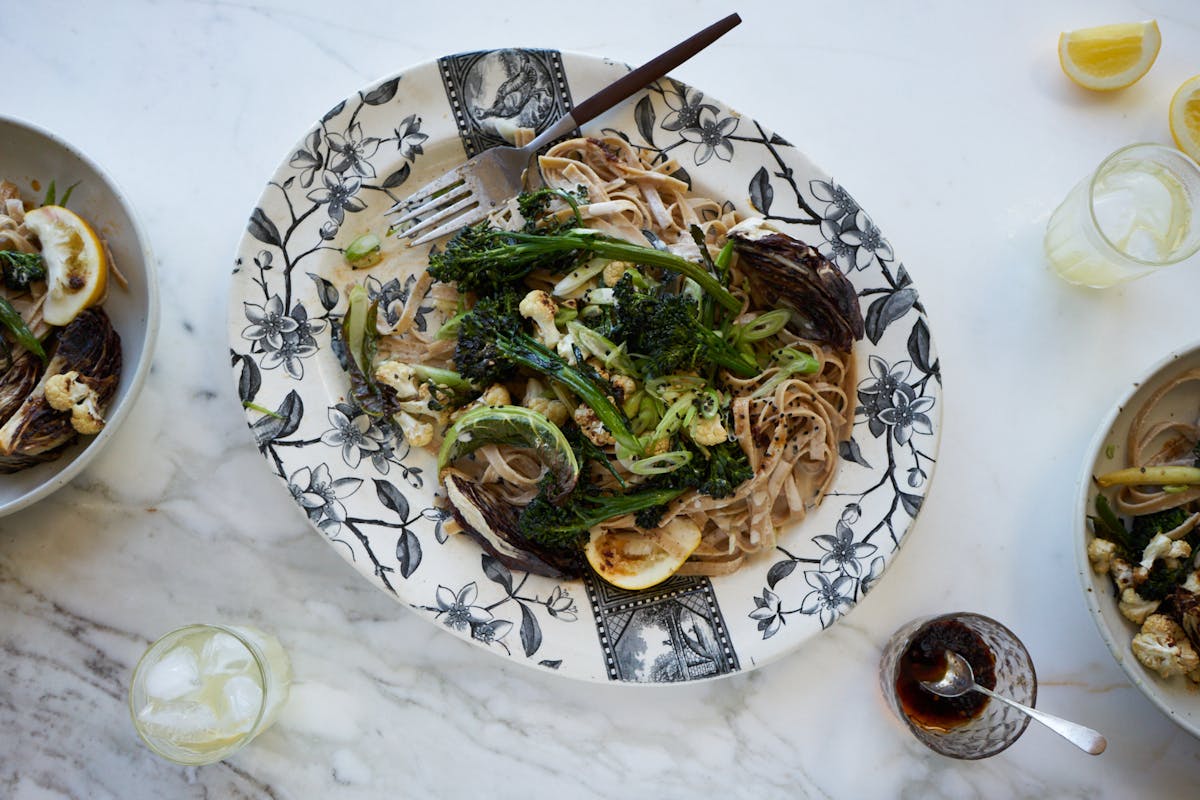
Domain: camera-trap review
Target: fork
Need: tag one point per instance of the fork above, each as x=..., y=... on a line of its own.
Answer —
x=469, y=193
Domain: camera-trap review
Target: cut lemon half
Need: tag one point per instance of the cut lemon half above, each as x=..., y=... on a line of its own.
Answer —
x=76, y=266
x=1109, y=56
x=639, y=560
x=1185, y=117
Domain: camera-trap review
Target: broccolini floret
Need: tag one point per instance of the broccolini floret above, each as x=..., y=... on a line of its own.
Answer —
x=566, y=524
x=21, y=269
x=664, y=328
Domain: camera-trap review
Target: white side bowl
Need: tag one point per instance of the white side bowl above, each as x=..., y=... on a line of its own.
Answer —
x=1178, y=698
x=31, y=157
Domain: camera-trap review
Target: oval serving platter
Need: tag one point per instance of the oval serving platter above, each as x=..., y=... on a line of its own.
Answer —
x=374, y=498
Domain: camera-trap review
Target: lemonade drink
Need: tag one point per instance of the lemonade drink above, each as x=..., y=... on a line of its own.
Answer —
x=201, y=692
x=1140, y=211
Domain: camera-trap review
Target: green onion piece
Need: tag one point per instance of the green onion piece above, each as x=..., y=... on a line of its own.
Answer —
x=564, y=315
x=763, y=325
x=710, y=403
x=725, y=256
x=10, y=319
x=356, y=324
x=1110, y=451
x=610, y=353
x=661, y=463
x=261, y=409
x=442, y=377
x=364, y=251
x=791, y=362
x=669, y=387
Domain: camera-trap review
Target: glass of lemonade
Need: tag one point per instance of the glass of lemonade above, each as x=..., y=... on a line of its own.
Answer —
x=1139, y=211
x=201, y=692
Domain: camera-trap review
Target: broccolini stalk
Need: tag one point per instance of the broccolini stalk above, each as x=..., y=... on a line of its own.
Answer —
x=484, y=259
x=565, y=525
x=491, y=346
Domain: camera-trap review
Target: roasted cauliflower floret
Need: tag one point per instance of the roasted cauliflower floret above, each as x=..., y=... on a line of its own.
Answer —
x=540, y=307
x=416, y=432
x=399, y=376
x=1100, y=552
x=495, y=395
x=68, y=392
x=624, y=385
x=613, y=271
x=1192, y=583
x=1163, y=646
x=566, y=349
x=708, y=431
x=545, y=403
x=1162, y=546
x=1136, y=608
x=592, y=427
x=1126, y=575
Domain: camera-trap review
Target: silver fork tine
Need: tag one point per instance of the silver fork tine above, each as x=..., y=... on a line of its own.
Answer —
x=469, y=218
x=441, y=201
x=451, y=211
x=420, y=195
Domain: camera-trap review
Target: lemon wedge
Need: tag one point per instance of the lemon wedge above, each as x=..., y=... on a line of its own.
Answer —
x=1185, y=117
x=76, y=266
x=1109, y=56
x=632, y=560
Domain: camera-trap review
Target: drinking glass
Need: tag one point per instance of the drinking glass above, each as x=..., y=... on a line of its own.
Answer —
x=1138, y=212
x=201, y=692
x=997, y=725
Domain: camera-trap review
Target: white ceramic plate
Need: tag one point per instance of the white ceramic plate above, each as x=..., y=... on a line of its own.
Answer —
x=373, y=498
x=31, y=157
x=1176, y=698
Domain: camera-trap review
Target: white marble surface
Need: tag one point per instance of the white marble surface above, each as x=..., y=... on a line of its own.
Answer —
x=951, y=123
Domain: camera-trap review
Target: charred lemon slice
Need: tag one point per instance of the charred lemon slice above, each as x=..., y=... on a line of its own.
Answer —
x=76, y=266
x=639, y=560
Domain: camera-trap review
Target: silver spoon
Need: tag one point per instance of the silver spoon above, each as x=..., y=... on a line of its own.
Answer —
x=960, y=679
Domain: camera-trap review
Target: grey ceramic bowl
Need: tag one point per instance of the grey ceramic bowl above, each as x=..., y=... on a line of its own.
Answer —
x=31, y=157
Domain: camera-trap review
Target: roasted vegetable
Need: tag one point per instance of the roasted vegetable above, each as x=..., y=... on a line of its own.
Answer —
x=493, y=524
x=486, y=260
x=36, y=432
x=15, y=325
x=783, y=271
x=664, y=328
x=21, y=269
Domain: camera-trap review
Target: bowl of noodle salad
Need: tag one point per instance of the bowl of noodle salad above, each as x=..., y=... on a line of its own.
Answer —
x=660, y=419
x=1138, y=541
x=96, y=324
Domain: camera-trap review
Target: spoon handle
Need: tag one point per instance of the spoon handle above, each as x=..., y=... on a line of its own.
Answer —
x=1084, y=738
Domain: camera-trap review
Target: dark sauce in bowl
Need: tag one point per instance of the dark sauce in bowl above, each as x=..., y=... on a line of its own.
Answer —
x=924, y=661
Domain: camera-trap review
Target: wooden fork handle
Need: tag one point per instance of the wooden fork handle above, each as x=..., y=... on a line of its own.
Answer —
x=651, y=71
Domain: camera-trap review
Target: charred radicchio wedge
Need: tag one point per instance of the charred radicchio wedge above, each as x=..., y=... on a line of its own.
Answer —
x=787, y=272
x=493, y=524
x=38, y=432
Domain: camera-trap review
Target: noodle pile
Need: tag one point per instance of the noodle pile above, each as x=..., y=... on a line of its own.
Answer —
x=789, y=428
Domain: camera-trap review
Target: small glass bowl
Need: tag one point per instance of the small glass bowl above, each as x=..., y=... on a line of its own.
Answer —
x=998, y=725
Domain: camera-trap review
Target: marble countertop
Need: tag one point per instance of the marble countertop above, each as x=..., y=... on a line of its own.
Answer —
x=950, y=121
